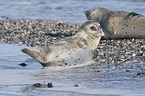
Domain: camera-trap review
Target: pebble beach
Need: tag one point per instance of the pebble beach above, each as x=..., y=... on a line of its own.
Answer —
x=35, y=33
x=44, y=33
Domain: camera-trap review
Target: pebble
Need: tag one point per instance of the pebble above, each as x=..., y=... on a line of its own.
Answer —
x=49, y=85
x=37, y=85
x=141, y=73
x=23, y=64
x=76, y=85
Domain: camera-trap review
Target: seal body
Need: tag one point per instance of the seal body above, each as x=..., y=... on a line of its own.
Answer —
x=118, y=24
x=71, y=51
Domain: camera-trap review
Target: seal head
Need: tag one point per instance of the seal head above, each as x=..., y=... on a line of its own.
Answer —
x=96, y=13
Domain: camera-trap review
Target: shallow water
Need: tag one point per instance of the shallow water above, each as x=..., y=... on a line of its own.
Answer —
x=92, y=80
x=71, y=11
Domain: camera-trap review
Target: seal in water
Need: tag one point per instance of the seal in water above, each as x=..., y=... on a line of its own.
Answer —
x=71, y=51
x=118, y=24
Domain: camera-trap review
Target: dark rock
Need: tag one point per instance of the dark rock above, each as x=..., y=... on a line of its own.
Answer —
x=141, y=73
x=128, y=71
x=59, y=24
x=37, y=85
x=98, y=71
x=140, y=54
x=76, y=85
x=134, y=76
x=49, y=85
x=23, y=64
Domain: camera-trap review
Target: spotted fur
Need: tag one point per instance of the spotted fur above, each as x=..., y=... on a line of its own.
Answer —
x=118, y=24
x=71, y=51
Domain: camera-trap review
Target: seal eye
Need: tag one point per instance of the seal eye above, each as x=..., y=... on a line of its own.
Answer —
x=93, y=28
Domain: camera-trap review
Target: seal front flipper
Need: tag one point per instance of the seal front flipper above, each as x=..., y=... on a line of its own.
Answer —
x=38, y=53
x=108, y=24
x=95, y=53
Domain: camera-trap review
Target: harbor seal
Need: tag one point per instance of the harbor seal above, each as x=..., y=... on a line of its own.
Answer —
x=71, y=51
x=118, y=24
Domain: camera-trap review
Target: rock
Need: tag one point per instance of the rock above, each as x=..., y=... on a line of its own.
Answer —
x=37, y=85
x=141, y=73
x=23, y=64
x=76, y=85
x=49, y=85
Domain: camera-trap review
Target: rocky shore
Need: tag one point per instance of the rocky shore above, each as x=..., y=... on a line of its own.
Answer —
x=124, y=54
x=43, y=33
x=34, y=33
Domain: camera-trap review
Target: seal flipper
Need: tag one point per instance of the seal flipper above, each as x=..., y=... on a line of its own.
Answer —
x=132, y=14
x=107, y=24
x=38, y=54
x=95, y=53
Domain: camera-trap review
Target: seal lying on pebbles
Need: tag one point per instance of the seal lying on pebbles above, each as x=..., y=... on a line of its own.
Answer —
x=118, y=24
x=71, y=51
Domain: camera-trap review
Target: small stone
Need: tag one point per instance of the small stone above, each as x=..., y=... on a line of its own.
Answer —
x=141, y=73
x=134, y=76
x=76, y=85
x=128, y=71
x=49, y=85
x=37, y=85
x=23, y=64
x=98, y=71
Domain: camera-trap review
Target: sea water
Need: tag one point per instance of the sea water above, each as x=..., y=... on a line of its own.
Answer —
x=71, y=11
x=16, y=80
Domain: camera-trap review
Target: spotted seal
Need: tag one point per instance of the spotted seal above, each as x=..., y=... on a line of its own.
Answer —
x=71, y=51
x=118, y=24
